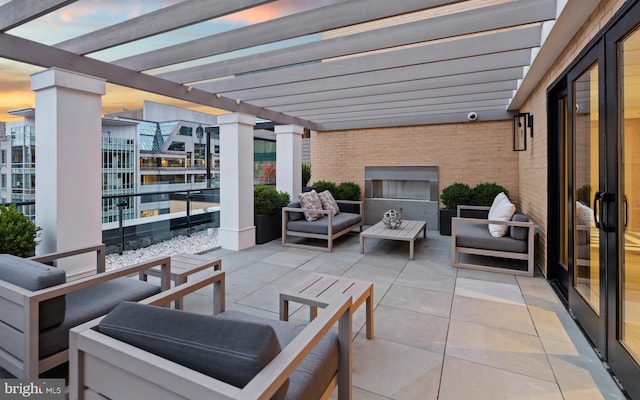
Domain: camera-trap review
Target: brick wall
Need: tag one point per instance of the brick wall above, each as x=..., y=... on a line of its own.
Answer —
x=469, y=152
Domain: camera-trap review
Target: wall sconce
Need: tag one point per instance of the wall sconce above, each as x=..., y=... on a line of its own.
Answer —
x=522, y=126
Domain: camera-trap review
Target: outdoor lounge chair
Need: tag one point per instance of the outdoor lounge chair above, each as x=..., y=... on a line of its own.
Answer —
x=280, y=360
x=38, y=306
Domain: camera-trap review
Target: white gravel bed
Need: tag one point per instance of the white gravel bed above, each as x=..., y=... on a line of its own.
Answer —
x=196, y=243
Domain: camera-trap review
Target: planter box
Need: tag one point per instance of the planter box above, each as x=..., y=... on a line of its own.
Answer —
x=444, y=221
x=268, y=227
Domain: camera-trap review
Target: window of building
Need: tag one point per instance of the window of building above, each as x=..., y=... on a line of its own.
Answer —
x=185, y=131
x=177, y=146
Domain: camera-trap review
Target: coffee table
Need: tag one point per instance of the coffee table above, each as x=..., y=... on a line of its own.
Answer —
x=408, y=232
x=317, y=290
x=183, y=265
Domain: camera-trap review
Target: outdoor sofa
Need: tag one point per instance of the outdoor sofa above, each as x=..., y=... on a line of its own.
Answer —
x=472, y=236
x=142, y=351
x=38, y=306
x=329, y=227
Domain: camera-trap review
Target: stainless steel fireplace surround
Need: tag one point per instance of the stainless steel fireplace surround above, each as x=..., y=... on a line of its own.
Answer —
x=412, y=188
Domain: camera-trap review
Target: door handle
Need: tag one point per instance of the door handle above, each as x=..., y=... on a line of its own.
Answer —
x=604, y=200
x=597, y=217
x=626, y=213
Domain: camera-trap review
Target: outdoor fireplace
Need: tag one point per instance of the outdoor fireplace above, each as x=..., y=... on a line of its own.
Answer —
x=412, y=188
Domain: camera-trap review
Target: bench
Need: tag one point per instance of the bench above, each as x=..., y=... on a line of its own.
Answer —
x=329, y=227
x=472, y=236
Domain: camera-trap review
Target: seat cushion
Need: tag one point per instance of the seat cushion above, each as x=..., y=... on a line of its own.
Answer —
x=321, y=226
x=231, y=350
x=477, y=236
x=89, y=303
x=32, y=275
x=314, y=374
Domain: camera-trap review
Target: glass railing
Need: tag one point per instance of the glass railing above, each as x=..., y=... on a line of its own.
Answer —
x=137, y=220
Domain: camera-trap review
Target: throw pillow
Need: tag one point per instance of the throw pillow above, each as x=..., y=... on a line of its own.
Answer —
x=310, y=200
x=501, y=196
x=584, y=214
x=328, y=202
x=502, y=212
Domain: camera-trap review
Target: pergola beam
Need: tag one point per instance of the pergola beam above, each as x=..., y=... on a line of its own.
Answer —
x=460, y=49
x=18, y=12
x=300, y=24
x=166, y=19
x=462, y=23
x=34, y=53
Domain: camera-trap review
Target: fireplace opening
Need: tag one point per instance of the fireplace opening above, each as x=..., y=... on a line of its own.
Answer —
x=412, y=188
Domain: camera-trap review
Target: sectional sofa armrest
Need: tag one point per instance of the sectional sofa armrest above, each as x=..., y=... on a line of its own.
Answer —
x=469, y=207
x=99, y=249
x=296, y=209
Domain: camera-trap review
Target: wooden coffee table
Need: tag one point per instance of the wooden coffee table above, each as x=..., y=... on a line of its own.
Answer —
x=408, y=232
x=183, y=265
x=317, y=290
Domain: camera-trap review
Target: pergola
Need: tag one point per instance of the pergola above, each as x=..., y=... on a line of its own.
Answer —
x=460, y=56
x=396, y=70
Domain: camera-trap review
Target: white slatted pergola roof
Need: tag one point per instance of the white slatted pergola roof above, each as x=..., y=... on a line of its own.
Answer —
x=480, y=56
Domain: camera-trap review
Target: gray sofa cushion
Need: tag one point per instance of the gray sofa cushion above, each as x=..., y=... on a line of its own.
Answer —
x=519, y=232
x=231, y=350
x=477, y=236
x=32, y=275
x=321, y=226
x=295, y=216
x=315, y=372
x=86, y=304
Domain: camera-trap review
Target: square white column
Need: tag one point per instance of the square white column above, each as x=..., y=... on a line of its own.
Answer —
x=237, y=229
x=68, y=163
x=289, y=159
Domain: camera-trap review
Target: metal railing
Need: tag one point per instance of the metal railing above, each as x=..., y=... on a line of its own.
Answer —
x=183, y=213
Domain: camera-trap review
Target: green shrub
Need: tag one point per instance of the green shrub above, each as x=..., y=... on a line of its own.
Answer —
x=306, y=174
x=484, y=193
x=321, y=186
x=18, y=234
x=268, y=200
x=347, y=191
x=456, y=194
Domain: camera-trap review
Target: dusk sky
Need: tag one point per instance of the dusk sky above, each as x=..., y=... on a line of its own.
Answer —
x=86, y=16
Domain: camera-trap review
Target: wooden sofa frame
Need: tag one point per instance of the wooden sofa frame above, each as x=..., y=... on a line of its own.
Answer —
x=528, y=256
x=19, y=311
x=98, y=361
x=330, y=236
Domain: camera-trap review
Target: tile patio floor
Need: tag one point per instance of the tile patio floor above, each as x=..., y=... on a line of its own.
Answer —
x=440, y=333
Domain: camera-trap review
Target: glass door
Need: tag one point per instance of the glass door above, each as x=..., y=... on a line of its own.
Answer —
x=623, y=49
x=587, y=297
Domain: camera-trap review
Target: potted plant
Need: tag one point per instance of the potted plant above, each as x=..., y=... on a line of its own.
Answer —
x=484, y=193
x=348, y=191
x=453, y=195
x=306, y=177
x=18, y=234
x=268, y=203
